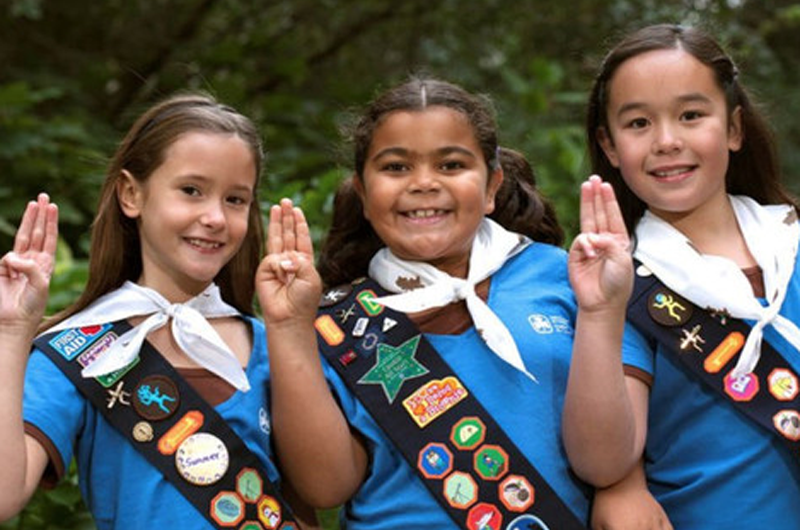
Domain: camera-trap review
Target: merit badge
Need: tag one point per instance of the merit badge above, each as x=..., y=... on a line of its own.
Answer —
x=741, y=388
x=460, y=490
x=227, y=508
x=348, y=357
x=516, y=493
x=329, y=330
x=394, y=366
x=251, y=525
x=335, y=295
x=202, y=459
x=118, y=396
x=668, y=309
x=468, y=433
x=156, y=398
x=388, y=323
x=724, y=352
x=782, y=384
x=435, y=460
x=345, y=314
x=527, y=522
x=787, y=422
x=92, y=354
x=433, y=399
x=491, y=462
x=143, y=432
x=484, y=516
x=189, y=424
x=71, y=342
x=692, y=339
x=361, y=327
x=269, y=512
x=365, y=298
x=249, y=485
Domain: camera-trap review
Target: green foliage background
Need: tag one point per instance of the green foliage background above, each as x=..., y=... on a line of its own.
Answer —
x=75, y=75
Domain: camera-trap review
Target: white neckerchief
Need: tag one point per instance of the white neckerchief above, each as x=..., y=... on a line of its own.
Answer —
x=193, y=333
x=492, y=246
x=714, y=282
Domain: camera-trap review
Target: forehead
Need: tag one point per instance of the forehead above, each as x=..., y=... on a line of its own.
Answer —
x=660, y=75
x=431, y=127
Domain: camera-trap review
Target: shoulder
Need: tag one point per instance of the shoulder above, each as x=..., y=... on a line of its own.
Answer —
x=539, y=259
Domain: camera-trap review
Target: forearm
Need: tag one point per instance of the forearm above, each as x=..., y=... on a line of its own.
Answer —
x=600, y=427
x=315, y=446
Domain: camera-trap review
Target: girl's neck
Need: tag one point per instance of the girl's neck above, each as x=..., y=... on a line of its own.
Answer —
x=716, y=232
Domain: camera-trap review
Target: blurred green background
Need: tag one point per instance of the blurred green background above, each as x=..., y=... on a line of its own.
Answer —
x=75, y=74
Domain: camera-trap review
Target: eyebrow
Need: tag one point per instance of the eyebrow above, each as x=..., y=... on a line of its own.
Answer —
x=693, y=97
x=442, y=151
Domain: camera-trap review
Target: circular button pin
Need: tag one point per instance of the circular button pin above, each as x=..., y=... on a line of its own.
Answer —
x=143, y=432
x=202, y=459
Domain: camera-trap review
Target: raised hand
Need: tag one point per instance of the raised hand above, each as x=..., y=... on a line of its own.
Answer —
x=600, y=266
x=287, y=283
x=25, y=271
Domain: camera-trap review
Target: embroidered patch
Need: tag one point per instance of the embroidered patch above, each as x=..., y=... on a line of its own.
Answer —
x=782, y=384
x=108, y=380
x=70, y=342
x=433, y=399
x=361, y=327
x=388, y=323
x=156, y=398
x=348, y=357
x=668, y=309
x=491, y=462
x=516, y=493
x=742, y=388
x=269, y=512
x=227, y=509
x=329, y=330
x=249, y=485
x=724, y=352
x=787, y=422
x=97, y=349
x=365, y=298
x=527, y=522
x=468, y=433
x=435, y=460
x=335, y=295
x=484, y=516
x=394, y=366
x=202, y=459
x=189, y=424
x=460, y=490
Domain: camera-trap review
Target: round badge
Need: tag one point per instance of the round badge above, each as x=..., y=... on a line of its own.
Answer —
x=668, y=308
x=335, y=295
x=143, y=432
x=156, y=398
x=202, y=459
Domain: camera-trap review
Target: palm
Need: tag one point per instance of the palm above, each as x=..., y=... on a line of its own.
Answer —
x=288, y=285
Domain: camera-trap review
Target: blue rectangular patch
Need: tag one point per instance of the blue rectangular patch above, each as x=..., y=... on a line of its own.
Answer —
x=70, y=342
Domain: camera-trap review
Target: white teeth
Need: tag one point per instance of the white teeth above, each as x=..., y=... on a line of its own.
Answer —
x=671, y=172
x=204, y=244
x=421, y=214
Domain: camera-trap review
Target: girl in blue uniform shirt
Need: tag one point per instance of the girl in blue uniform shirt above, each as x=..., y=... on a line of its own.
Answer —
x=694, y=167
x=178, y=222
x=427, y=180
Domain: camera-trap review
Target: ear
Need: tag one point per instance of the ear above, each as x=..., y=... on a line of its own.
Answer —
x=129, y=194
x=603, y=137
x=495, y=181
x=735, y=130
x=358, y=186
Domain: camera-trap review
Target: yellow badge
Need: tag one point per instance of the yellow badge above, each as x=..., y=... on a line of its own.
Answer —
x=433, y=399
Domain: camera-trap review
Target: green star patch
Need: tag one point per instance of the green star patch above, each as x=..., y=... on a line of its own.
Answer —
x=394, y=366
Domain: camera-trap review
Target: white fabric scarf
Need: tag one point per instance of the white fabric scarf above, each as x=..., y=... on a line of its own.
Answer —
x=193, y=333
x=492, y=246
x=771, y=234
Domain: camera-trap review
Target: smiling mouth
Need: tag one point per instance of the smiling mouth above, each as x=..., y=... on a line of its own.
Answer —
x=202, y=243
x=424, y=214
x=666, y=173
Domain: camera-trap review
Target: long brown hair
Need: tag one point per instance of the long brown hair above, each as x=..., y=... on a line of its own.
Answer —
x=115, y=253
x=753, y=170
x=351, y=242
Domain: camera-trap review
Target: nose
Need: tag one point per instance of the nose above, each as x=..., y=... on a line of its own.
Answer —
x=667, y=139
x=424, y=178
x=213, y=215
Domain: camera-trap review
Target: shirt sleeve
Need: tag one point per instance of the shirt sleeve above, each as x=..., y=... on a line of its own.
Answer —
x=638, y=358
x=52, y=408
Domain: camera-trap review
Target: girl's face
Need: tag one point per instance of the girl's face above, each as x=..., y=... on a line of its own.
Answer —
x=669, y=132
x=426, y=187
x=192, y=211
